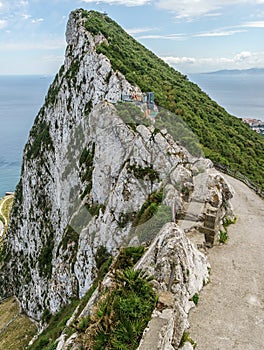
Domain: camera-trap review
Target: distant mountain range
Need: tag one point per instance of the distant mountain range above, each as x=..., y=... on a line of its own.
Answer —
x=238, y=71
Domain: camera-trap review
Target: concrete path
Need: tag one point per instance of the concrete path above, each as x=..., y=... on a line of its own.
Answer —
x=230, y=313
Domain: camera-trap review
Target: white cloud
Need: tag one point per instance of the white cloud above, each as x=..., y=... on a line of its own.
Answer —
x=189, y=9
x=255, y=24
x=3, y=23
x=120, y=2
x=219, y=33
x=179, y=60
x=242, y=56
x=25, y=16
x=133, y=31
x=163, y=37
x=23, y=3
x=37, y=20
x=181, y=36
x=191, y=60
x=213, y=14
x=241, y=60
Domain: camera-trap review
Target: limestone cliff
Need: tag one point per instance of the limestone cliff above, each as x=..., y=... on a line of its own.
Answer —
x=92, y=176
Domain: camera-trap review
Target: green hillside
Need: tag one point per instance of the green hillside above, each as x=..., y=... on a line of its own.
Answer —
x=225, y=139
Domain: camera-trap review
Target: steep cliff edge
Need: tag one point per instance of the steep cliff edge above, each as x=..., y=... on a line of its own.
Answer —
x=97, y=172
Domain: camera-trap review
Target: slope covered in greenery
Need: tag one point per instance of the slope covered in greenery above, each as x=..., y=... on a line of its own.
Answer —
x=225, y=139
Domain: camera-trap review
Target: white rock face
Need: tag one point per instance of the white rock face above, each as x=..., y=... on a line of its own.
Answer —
x=179, y=272
x=86, y=174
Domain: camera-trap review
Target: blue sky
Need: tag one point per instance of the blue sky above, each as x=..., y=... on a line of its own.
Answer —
x=192, y=35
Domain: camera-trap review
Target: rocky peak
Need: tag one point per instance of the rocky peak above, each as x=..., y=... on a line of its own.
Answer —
x=97, y=172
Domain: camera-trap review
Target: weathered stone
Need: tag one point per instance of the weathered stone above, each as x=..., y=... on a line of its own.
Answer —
x=187, y=346
x=179, y=271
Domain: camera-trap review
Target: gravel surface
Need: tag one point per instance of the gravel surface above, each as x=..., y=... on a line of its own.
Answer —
x=230, y=313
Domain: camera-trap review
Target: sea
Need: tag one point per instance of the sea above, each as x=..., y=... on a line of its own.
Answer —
x=21, y=97
x=242, y=95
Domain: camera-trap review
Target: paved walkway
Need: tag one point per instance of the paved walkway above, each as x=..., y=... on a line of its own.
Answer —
x=230, y=313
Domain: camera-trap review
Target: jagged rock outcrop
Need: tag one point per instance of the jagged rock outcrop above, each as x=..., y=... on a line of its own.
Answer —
x=179, y=272
x=91, y=178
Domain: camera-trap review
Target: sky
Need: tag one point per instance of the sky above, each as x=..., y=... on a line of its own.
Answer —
x=191, y=35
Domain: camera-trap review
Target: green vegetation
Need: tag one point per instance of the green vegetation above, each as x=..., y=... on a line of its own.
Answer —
x=151, y=217
x=125, y=218
x=15, y=329
x=57, y=322
x=88, y=107
x=69, y=243
x=101, y=256
x=228, y=221
x=148, y=231
x=70, y=75
x=45, y=258
x=225, y=139
x=79, y=221
x=95, y=208
x=143, y=173
x=70, y=236
x=4, y=253
x=18, y=198
x=180, y=131
x=131, y=114
x=41, y=141
x=52, y=94
x=195, y=298
x=86, y=165
x=186, y=338
x=123, y=311
x=128, y=257
x=149, y=208
x=223, y=236
x=72, y=72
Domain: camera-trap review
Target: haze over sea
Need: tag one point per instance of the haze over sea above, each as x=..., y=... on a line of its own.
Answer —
x=21, y=97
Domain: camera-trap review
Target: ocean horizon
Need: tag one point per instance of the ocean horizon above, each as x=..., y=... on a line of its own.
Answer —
x=21, y=97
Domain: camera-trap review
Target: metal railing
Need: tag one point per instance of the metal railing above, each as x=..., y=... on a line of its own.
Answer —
x=237, y=175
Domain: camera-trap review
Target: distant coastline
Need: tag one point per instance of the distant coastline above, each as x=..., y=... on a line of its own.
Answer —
x=237, y=71
x=255, y=124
